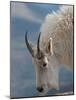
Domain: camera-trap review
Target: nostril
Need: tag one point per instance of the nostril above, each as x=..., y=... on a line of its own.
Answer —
x=44, y=64
x=40, y=89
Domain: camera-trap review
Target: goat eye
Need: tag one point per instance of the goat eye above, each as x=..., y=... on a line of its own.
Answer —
x=39, y=57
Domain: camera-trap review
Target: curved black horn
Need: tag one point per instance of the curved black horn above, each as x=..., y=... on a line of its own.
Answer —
x=28, y=45
x=38, y=47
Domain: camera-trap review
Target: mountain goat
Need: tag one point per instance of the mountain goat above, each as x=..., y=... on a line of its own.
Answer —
x=54, y=47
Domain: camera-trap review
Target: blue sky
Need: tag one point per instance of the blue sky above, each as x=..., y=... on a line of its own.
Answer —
x=27, y=17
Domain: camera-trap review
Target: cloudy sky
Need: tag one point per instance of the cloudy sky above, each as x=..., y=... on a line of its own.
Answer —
x=28, y=17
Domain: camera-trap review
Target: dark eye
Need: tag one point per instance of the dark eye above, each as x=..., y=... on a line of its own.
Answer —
x=44, y=64
x=39, y=57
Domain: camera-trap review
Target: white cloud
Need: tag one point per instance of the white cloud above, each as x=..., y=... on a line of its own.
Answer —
x=21, y=10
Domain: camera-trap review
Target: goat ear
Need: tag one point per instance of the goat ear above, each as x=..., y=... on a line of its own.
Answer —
x=49, y=48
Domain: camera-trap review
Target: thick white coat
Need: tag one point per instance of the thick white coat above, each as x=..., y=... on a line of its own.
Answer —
x=59, y=27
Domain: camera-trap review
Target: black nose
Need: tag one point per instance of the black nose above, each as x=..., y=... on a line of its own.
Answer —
x=44, y=64
x=40, y=89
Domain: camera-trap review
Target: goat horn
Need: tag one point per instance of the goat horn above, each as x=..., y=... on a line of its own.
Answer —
x=28, y=45
x=38, y=48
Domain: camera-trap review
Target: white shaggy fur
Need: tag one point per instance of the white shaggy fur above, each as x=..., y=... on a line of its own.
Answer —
x=57, y=30
x=59, y=27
